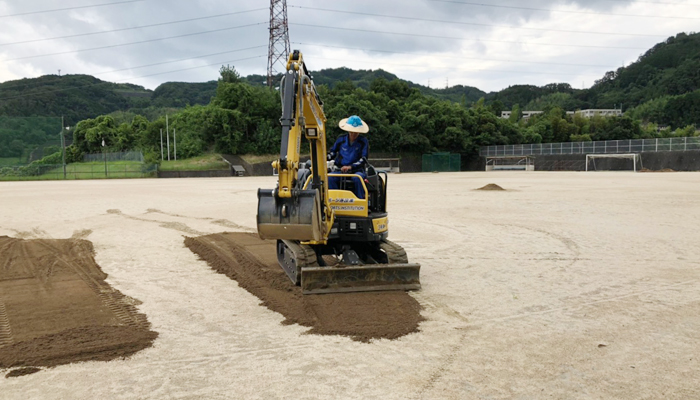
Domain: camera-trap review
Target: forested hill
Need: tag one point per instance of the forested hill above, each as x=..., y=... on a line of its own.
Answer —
x=79, y=97
x=76, y=97
x=662, y=86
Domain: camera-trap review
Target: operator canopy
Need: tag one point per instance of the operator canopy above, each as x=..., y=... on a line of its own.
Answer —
x=354, y=124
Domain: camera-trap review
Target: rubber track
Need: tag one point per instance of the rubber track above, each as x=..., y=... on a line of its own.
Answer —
x=5, y=331
x=395, y=253
x=305, y=255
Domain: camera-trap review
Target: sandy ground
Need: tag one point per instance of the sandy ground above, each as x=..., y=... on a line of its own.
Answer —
x=568, y=286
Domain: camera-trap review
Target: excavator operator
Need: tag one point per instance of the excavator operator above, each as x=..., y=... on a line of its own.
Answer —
x=350, y=153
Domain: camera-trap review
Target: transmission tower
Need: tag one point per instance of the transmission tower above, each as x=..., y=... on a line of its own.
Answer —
x=278, y=49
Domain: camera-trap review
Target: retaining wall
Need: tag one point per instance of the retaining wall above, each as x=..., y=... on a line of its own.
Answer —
x=195, y=174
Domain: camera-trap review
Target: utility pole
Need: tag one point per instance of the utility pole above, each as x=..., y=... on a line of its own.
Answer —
x=167, y=135
x=63, y=147
x=175, y=142
x=278, y=48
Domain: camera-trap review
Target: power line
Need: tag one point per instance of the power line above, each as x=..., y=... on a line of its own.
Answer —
x=133, y=78
x=560, y=11
x=132, y=43
x=132, y=28
x=70, y=8
x=476, y=24
x=455, y=58
x=462, y=38
x=657, y=2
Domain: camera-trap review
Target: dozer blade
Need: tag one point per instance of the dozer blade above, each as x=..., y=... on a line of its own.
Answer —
x=295, y=218
x=360, y=278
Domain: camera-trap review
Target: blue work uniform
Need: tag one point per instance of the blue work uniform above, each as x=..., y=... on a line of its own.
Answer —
x=350, y=154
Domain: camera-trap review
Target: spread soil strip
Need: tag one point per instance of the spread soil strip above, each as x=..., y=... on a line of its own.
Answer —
x=252, y=263
x=56, y=308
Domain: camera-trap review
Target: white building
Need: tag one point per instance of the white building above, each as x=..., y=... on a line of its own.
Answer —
x=585, y=113
x=526, y=114
x=601, y=113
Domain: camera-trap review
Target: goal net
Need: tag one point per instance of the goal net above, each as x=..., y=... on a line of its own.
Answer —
x=591, y=162
x=512, y=163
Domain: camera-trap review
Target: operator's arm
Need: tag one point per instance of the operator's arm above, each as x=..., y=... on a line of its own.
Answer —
x=333, y=153
x=360, y=164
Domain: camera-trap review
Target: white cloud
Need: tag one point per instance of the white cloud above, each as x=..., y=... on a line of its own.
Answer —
x=517, y=46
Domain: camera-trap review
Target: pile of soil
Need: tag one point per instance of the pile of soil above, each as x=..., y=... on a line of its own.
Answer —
x=252, y=263
x=491, y=186
x=55, y=307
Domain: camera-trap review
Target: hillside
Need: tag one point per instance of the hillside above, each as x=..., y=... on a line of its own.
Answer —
x=182, y=94
x=669, y=73
x=76, y=97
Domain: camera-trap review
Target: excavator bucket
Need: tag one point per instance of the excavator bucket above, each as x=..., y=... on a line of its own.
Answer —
x=294, y=218
x=360, y=278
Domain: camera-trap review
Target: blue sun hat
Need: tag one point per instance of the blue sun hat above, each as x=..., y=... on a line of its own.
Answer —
x=354, y=124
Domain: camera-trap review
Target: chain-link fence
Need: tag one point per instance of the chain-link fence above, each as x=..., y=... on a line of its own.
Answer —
x=442, y=162
x=79, y=171
x=598, y=147
x=114, y=156
x=21, y=136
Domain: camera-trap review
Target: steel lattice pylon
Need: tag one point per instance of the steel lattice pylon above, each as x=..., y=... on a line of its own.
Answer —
x=278, y=49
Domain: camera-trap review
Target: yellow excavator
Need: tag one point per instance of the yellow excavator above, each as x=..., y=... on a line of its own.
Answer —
x=328, y=241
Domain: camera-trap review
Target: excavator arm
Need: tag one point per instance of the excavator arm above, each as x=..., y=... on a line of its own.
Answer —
x=290, y=212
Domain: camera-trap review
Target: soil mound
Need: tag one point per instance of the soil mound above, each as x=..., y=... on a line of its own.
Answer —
x=491, y=186
x=55, y=307
x=253, y=264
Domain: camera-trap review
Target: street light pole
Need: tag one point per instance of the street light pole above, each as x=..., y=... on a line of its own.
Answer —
x=104, y=155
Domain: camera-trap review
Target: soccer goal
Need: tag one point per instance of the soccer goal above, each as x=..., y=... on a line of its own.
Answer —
x=632, y=156
x=510, y=163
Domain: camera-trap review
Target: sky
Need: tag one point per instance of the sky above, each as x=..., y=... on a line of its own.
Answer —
x=439, y=43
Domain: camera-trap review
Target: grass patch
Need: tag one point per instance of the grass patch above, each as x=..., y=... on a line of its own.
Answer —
x=11, y=161
x=90, y=170
x=202, y=163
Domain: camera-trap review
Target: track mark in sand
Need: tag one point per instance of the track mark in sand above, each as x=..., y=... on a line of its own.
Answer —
x=35, y=233
x=228, y=224
x=571, y=245
x=442, y=369
x=125, y=313
x=81, y=234
x=5, y=330
x=177, y=226
x=157, y=211
x=577, y=306
x=222, y=222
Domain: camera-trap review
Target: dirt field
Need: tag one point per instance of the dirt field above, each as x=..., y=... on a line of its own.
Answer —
x=565, y=285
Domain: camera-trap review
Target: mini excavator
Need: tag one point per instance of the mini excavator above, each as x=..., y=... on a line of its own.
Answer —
x=328, y=241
